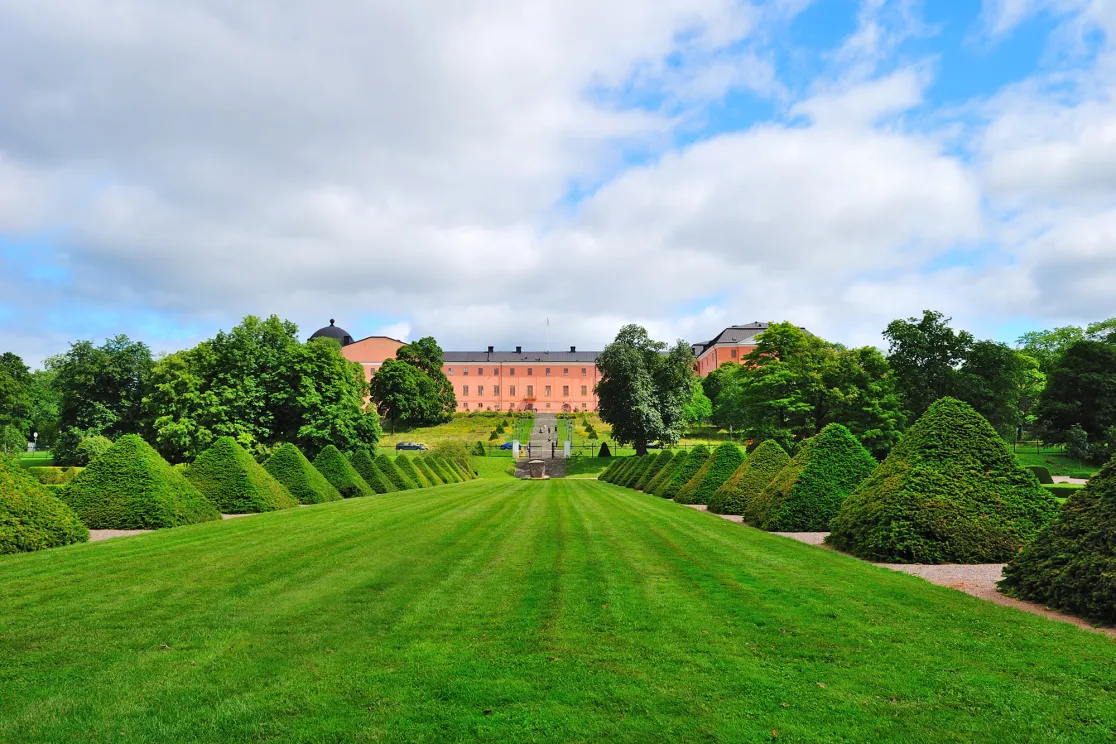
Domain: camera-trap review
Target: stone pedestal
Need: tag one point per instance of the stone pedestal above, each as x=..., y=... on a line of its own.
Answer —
x=538, y=468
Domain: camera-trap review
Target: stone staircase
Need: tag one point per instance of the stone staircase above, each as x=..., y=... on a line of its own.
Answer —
x=544, y=446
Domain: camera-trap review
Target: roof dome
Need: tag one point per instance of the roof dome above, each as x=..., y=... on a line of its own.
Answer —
x=335, y=332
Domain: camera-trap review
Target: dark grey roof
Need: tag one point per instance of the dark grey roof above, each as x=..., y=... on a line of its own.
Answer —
x=733, y=335
x=334, y=332
x=524, y=357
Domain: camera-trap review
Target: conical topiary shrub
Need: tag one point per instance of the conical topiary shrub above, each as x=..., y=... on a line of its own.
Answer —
x=717, y=469
x=365, y=464
x=130, y=487
x=623, y=465
x=340, y=473
x=464, y=468
x=392, y=473
x=949, y=492
x=447, y=468
x=434, y=464
x=233, y=480
x=749, y=480
x=303, y=481
x=653, y=469
x=691, y=463
x=1071, y=563
x=810, y=489
x=665, y=473
x=636, y=473
x=30, y=517
x=408, y=469
x=604, y=451
x=430, y=475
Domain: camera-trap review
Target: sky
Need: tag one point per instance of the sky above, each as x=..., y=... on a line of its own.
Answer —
x=470, y=169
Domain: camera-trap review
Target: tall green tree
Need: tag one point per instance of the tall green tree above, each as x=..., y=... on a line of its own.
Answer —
x=860, y=393
x=396, y=391
x=260, y=385
x=925, y=354
x=643, y=391
x=698, y=408
x=1047, y=347
x=15, y=393
x=100, y=391
x=426, y=356
x=992, y=379
x=1081, y=391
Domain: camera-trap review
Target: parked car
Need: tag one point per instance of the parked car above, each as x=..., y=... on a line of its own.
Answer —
x=506, y=446
x=410, y=446
x=654, y=445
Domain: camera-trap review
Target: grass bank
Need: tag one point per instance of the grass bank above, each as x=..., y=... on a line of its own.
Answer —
x=517, y=611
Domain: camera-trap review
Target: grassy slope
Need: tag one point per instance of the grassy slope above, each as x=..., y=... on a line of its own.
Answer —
x=569, y=610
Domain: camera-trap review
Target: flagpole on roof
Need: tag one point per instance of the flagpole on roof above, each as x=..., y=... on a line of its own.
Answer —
x=548, y=335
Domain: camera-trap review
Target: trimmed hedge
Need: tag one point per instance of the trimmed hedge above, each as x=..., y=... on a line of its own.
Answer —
x=427, y=473
x=949, y=492
x=233, y=480
x=464, y=468
x=1042, y=473
x=433, y=463
x=638, y=470
x=449, y=469
x=32, y=518
x=303, y=481
x=809, y=490
x=653, y=469
x=665, y=473
x=130, y=487
x=1063, y=490
x=749, y=479
x=717, y=469
x=53, y=476
x=364, y=464
x=340, y=472
x=626, y=463
x=392, y=473
x=1071, y=563
x=606, y=474
x=691, y=463
x=407, y=468
x=604, y=450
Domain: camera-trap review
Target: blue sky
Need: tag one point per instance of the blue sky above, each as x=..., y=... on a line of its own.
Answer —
x=466, y=170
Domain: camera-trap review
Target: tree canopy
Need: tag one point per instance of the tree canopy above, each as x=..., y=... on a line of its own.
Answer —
x=260, y=385
x=412, y=388
x=644, y=388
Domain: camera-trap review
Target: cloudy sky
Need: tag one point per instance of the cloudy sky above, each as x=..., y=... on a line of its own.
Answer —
x=467, y=169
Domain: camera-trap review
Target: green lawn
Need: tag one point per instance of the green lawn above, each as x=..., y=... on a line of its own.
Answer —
x=510, y=611
x=1056, y=462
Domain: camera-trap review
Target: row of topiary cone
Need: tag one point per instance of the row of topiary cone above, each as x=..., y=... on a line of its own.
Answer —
x=950, y=491
x=132, y=487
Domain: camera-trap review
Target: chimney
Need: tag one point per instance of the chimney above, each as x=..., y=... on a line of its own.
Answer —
x=491, y=349
x=519, y=350
x=573, y=349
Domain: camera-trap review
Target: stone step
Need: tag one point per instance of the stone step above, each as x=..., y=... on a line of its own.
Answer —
x=555, y=467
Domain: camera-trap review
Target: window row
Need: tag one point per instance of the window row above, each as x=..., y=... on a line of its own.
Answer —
x=530, y=390
x=495, y=371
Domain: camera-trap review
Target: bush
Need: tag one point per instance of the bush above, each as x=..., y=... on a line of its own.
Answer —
x=809, y=491
x=90, y=448
x=394, y=474
x=749, y=479
x=429, y=474
x=12, y=441
x=479, y=450
x=665, y=473
x=1063, y=491
x=949, y=492
x=1042, y=473
x=51, y=476
x=131, y=487
x=1071, y=563
x=434, y=465
x=717, y=469
x=365, y=464
x=463, y=468
x=341, y=474
x=623, y=465
x=636, y=471
x=491, y=437
x=407, y=468
x=605, y=451
x=691, y=463
x=653, y=469
x=302, y=480
x=233, y=480
x=448, y=468
x=31, y=518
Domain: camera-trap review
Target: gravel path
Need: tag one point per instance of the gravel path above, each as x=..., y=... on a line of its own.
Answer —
x=1067, y=479
x=98, y=535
